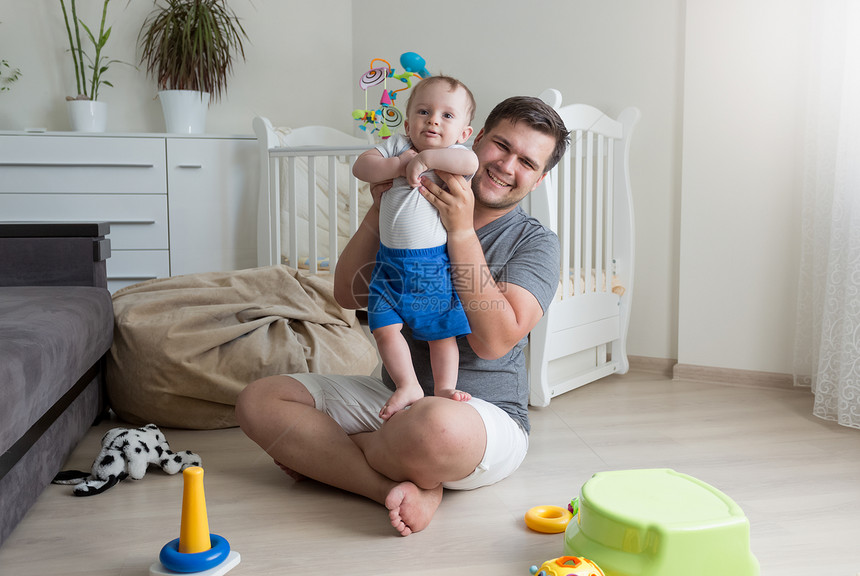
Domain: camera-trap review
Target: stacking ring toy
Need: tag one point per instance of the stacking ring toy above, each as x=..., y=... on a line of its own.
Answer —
x=548, y=519
x=177, y=561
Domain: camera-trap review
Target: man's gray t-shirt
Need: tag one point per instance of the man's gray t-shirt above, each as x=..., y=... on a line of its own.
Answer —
x=519, y=250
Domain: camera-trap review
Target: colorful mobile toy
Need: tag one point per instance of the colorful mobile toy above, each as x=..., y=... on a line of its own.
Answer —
x=387, y=116
x=414, y=63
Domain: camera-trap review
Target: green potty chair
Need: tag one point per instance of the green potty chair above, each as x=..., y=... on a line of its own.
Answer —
x=659, y=522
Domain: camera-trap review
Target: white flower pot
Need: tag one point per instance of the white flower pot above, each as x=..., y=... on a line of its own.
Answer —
x=184, y=111
x=87, y=116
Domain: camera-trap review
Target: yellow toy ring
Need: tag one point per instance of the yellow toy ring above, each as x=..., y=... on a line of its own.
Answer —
x=548, y=519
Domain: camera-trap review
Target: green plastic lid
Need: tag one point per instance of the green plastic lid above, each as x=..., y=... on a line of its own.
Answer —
x=658, y=522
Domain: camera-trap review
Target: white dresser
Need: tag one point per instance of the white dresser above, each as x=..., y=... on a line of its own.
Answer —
x=176, y=204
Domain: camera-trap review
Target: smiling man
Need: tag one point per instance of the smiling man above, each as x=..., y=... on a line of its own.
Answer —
x=505, y=270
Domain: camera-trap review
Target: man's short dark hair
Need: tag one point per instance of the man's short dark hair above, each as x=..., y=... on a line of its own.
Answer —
x=536, y=114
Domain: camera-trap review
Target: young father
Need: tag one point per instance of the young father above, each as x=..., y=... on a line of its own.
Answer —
x=505, y=269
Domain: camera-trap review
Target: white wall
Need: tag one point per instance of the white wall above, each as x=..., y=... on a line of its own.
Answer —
x=743, y=117
x=719, y=82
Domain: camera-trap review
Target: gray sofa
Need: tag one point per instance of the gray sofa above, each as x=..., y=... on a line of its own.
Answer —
x=56, y=325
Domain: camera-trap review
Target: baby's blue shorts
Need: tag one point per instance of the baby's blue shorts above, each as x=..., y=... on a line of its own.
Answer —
x=414, y=287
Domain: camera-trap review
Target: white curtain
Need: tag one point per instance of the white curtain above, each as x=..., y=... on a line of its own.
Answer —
x=827, y=347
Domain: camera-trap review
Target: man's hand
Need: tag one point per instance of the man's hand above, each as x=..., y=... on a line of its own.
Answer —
x=377, y=189
x=456, y=204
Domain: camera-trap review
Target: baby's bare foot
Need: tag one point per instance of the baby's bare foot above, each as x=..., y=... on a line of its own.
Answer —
x=404, y=396
x=410, y=508
x=454, y=394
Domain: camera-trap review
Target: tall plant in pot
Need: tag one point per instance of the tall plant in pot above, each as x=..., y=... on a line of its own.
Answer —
x=8, y=75
x=86, y=113
x=188, y=47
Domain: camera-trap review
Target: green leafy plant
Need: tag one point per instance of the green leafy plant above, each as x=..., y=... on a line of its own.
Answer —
x=98, y=63
x=191, y=45
x=8, y=76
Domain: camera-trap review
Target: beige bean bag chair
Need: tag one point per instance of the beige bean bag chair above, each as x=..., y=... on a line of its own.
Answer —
x=184, y=347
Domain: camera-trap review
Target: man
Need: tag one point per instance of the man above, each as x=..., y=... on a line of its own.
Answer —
x=505, y=269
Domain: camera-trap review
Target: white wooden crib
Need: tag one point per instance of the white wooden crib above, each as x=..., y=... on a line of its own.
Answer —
x=586, y=200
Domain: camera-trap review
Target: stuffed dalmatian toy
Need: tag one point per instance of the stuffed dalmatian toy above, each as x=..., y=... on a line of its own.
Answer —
x=127, y=452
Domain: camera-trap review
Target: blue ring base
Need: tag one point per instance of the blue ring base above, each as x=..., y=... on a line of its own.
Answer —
x=173, y=559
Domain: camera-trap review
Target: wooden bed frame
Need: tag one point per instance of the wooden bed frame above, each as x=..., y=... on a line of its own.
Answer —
x=587, y=200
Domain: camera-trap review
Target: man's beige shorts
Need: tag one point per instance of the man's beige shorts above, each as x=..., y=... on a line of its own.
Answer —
x=354, y=403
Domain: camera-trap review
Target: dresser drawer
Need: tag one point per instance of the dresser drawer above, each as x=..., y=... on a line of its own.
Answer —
x=69, y=164
x=137, y=221
x=127, y=267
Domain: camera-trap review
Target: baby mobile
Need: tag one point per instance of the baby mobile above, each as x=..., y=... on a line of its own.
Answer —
x=387, y=117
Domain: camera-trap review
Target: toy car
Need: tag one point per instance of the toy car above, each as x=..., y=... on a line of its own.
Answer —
x=567, y=566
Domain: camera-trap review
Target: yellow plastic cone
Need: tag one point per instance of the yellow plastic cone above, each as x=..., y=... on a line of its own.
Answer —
x=194, y=530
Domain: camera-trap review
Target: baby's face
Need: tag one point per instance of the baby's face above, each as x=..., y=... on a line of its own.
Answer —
x=438, y=117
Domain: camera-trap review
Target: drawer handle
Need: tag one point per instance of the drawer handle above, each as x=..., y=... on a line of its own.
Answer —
x=75, y=165
x=193, y=166
x=117, y=222
x=127, y=278
x=131, y=222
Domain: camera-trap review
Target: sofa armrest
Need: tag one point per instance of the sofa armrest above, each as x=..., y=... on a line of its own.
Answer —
x=54, y=253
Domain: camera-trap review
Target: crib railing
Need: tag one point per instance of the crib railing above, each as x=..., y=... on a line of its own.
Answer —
x=285, y=149
x=311, y=154
x=587, y=200
x=586, y=224
x=578, y=202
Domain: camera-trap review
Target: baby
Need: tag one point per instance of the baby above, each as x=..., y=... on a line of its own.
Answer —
x=411, y=282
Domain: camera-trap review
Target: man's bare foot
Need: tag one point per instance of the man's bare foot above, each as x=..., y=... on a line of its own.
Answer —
x=291, y=473
x=404, y=396
x=410, y=508
x=453, y=394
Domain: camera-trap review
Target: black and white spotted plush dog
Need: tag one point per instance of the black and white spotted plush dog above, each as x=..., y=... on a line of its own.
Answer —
x=127, y=452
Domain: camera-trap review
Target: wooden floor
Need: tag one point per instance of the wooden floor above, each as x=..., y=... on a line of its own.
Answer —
x=796, y=477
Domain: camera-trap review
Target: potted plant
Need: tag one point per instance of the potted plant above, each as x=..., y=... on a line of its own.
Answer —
x=8, y=76
x=188, y=47
x=85, y=111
